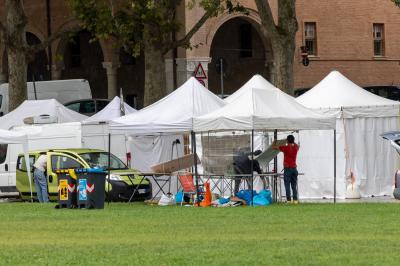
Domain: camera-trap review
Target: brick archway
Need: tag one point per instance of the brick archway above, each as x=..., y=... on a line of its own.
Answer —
x=238, y=41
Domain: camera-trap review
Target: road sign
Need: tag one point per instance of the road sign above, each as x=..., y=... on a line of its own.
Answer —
x=201, y=82
x=199, y=72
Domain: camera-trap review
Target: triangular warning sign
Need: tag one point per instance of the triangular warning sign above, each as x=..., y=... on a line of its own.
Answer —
x=199, y=72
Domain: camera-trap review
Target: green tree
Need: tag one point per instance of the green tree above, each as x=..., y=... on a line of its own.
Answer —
x=13, y=37
x=282, y=36
x=148, y=26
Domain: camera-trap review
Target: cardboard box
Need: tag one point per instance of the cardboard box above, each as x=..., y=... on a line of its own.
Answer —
x=174, y=165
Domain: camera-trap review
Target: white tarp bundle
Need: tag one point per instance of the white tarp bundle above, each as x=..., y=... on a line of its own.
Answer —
x=9, y=137
x=262, y=109
x=31, y=108
x=172, y=114
x=361, y=152
x=109, y=112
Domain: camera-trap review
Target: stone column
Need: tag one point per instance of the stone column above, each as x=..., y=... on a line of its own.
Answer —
x=56, y=72
x=187, y=66
x=111, y=68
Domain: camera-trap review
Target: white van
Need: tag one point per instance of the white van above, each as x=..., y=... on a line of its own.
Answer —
x=62, y=90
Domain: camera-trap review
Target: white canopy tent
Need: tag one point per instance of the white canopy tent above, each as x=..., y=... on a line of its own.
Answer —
x=172, y=114
x=32, y=108
x=10, y=137
x=111, y=111
x=263, y=109
x=365, y=161
x=154, y=129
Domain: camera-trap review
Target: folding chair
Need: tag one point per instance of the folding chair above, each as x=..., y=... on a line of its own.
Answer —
x=188, y=186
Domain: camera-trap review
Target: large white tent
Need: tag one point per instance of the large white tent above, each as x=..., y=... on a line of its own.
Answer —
x=364, y=160
x=32, y=108
x=153, y=131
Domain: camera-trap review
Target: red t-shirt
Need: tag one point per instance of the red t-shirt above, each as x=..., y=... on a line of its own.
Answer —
x=290, y=154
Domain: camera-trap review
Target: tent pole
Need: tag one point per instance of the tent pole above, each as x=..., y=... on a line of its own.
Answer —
x=195, y=164
x=334, y=165
x=252, y=165
x=109, y=165
x=275, y=170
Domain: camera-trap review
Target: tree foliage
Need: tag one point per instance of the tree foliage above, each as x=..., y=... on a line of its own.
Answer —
x=129, y=20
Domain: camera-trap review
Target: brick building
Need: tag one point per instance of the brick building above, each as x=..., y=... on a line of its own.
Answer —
x=359, y=38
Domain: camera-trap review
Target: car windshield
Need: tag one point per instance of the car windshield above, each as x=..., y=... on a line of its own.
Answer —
x=100, y=159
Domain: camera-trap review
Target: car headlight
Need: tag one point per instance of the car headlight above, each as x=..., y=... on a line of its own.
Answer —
x=114, y=177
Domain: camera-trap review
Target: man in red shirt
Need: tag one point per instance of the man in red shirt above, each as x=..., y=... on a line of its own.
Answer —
x=289, y=167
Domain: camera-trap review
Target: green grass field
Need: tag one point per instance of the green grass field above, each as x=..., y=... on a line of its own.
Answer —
x=136, y=234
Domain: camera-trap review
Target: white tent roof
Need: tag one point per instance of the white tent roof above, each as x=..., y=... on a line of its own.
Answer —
x=31, y=108
x=257, y=81
x=173, y=113
x=263, y=109
x=110, y=112
x=8, y=137
x=336, y=91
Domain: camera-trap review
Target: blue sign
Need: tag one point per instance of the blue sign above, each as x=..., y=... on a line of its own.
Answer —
x=82, y=189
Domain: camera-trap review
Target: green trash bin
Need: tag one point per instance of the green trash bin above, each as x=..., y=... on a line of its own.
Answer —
x=66, y=188
x=91, y=188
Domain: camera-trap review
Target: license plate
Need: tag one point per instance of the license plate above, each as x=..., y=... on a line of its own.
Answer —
x=142, y=191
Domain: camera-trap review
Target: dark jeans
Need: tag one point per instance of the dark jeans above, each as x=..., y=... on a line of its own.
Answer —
x=290, y=179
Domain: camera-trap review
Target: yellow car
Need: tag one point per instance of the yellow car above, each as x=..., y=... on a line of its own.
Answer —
x=123, y=181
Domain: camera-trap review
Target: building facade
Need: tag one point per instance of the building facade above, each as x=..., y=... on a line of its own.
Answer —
x=358, y=38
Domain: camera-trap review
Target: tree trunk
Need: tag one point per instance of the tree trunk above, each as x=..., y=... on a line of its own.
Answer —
x=17, y=63
x=154, y=78
x=282, y=70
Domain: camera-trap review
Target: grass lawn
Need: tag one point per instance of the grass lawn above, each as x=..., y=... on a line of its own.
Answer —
x=136, y=234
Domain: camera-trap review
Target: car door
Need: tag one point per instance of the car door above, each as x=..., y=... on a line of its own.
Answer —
x=60, y=161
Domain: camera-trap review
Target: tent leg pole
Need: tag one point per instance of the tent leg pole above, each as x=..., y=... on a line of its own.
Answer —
x=334, y=165
x=275, y=170
x=109, y=166
x=252, y=165
x=195, y=165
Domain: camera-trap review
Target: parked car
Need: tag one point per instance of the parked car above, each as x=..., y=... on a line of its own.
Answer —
x=123, y=181
x=390, y=92
x=87, y=106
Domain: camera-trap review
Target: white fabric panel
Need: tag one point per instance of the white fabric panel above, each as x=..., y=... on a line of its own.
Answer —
x=150, y=150
x=110, y=112
x=371, y=158
x=262, y=109
x=39, y=107
x=316, y=160
x=173, y=113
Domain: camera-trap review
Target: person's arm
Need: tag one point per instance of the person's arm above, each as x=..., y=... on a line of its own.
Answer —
x=275, y=146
